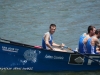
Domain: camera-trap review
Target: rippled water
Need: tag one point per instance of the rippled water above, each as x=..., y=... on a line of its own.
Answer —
x=26, y=21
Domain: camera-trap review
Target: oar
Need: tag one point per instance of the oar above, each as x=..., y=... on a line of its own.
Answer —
x=82, y=54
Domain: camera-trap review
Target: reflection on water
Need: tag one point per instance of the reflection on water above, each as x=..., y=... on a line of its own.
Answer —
x=47, y=73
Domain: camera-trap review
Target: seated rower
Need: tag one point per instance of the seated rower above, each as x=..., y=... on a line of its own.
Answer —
x=93, y=42
x=47, y=40
x=80, y=44
x=84, y=37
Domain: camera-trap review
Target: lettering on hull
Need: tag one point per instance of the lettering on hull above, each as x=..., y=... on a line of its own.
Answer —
x=10, y=49
x=54, y=57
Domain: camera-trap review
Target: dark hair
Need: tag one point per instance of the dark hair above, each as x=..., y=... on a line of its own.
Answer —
x=52, y=25
x=97, y=31
x=90, y=28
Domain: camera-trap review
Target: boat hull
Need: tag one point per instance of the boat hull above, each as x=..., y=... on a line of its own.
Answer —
x=16, y=56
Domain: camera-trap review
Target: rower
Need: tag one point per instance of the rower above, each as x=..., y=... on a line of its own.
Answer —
x=47, y=40
x=84, y=37
x=93, y=43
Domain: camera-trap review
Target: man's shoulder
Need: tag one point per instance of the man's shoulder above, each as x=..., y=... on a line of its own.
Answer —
x=87, y=36
x=85, y=33
x=95, y=39
x=47, y=34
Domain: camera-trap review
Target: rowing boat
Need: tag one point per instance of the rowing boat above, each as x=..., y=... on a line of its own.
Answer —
x=18, y=56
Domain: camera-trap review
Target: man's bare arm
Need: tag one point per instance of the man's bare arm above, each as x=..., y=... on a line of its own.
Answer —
x=98, y=43
x=57, y=45
x=54, y=44
x=47, y=36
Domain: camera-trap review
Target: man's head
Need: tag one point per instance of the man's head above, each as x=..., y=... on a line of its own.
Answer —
x=97, y=32
x=91, y=30
x=52, y=28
